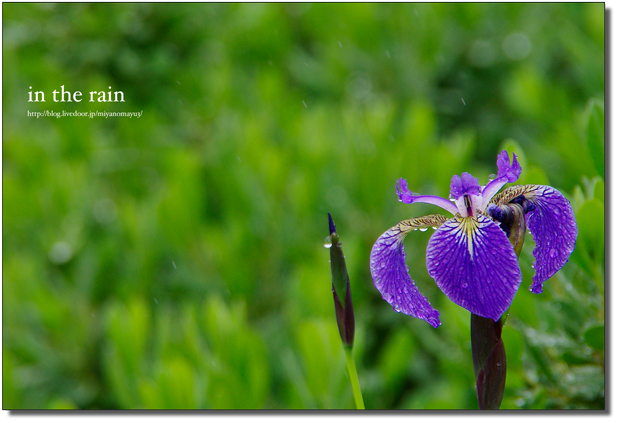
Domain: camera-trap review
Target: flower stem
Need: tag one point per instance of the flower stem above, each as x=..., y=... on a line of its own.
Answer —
x=355, y=384
x=489, y=356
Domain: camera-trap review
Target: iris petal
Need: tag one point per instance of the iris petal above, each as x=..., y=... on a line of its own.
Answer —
x=390, y=274
x=474, y=264
x=553, y=226
x=505, y=169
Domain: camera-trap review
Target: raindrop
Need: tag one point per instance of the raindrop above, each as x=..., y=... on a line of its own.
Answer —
x=464, y=285
x=328, y=242
x=155, y=299
x=434, y=227
x=405, y=290
x=61, y=252
x=415, y=229
x=104, y=211
x=397, y=307
x=553, y=253
x=423, y=229
x=175, y=266
x=389, y=298
x=463, y=100
x=517, y=46
x=383, y=265
x=492, y=176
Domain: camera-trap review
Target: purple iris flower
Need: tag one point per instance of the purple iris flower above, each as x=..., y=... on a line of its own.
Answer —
x=470, y=256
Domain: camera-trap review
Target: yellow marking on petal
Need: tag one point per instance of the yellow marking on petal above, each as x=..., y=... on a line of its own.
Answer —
x=469, y=226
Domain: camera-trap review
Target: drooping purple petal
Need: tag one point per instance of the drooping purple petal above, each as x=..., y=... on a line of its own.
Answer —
x=473, y=263
x=554, y=229
x=408, y=197
x=505, y=173
x=390, y=272
x=551, y=221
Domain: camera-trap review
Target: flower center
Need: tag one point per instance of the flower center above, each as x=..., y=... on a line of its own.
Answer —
x=468, y=205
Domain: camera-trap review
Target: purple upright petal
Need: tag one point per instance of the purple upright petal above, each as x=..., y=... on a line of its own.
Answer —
x=403, y=192
x=470, y=184
x=390, y=273
x=505, y=169
x=473, y=263
x=505, y=173
x=456, y=187
x=554, y=229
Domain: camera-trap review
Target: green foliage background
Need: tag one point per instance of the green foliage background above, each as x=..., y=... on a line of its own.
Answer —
x=176, y=260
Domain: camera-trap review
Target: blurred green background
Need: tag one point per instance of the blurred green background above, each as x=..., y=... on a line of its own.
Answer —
x=177, y=260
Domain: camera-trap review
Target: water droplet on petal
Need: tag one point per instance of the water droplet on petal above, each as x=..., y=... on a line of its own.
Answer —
x=397, y=307
x=464, y=285
x=434, y=228
x=328, y=242
x=553, y=253
x=423, y=229
x=492, y=176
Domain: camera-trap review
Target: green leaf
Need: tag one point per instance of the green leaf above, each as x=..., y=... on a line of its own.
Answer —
x=535, y=175
x=590, y=249
x=599, y=190
x=595, y=134
x=396, y=355
x=594, y=337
